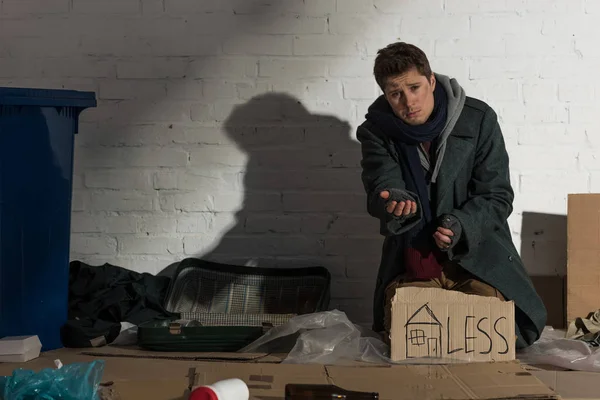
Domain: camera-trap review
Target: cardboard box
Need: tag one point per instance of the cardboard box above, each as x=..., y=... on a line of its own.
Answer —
x=136, y=376
x=583, y=255
x=448, y=325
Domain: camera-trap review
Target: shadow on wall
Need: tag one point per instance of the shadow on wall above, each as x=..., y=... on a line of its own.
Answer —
x=304, y=204
x=544, y=252
x=162, y=98
x=544, y=243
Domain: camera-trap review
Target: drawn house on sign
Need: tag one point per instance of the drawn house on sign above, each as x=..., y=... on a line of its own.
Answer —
x=423, y=334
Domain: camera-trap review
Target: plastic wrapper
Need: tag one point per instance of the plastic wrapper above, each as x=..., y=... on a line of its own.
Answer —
x=328, y=338
x=554, y=349
x=320, y=338
x=128, y=335
x=78, y=381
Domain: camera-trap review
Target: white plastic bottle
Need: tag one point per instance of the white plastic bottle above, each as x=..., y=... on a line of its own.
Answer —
x=228, y=389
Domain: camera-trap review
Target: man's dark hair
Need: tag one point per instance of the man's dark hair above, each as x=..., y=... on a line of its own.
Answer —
x=398, y=58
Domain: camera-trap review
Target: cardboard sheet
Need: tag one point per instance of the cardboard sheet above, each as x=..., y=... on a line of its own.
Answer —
x=443, y=324
x=165, y=379
x=425, y=382
x=583, y=255
x=570, y=385
x=503, y=380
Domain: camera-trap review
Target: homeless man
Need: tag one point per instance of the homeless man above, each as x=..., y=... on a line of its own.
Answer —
x=436, y=173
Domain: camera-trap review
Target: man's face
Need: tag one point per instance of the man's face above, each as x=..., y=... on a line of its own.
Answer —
x=411, y=96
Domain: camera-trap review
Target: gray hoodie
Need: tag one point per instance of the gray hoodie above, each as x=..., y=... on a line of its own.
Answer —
x=456, y=102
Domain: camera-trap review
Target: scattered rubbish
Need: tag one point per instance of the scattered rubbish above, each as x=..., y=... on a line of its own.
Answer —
x=592, y=339
x=78, y=381
x=554, y=349
x=580, y=327
x=228, y=389
x=19, y=348
x=106, y=391
x=308, y=392
x=577, y=349
x=128, y=335
x=322, y=338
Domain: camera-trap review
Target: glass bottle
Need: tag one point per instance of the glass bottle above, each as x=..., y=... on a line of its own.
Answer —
x=324, y=392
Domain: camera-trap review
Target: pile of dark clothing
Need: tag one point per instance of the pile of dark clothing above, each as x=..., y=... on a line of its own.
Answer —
x=102, y=297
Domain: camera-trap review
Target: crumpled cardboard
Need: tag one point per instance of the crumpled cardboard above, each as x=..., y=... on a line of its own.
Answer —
x=138, y=376
x=582, y=326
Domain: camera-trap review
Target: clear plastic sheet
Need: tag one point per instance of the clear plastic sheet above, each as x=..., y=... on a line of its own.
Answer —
x=328, y=338
x=78, y=381
x=554, y=349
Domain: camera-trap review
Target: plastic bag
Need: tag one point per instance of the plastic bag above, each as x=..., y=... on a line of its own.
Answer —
x=78, y=381
x=320, y=338
x=554, y=349
x=128, y=335
x=328, y=338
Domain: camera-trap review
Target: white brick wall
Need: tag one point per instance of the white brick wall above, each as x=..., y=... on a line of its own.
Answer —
x=224, y=127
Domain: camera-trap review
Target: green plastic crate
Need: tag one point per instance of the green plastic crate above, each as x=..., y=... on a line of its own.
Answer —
x=223, y=308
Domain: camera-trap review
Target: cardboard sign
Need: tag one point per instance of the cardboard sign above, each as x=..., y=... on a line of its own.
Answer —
x=429, y=323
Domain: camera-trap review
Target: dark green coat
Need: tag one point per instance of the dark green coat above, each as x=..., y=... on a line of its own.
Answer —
x=474, y=185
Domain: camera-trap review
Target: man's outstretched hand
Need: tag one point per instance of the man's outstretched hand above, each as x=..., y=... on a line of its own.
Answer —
x=399, y=208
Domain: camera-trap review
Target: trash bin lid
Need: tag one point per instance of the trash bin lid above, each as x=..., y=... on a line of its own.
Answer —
x=46, y=97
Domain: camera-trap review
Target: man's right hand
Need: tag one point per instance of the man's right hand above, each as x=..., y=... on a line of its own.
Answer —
x=407, y=207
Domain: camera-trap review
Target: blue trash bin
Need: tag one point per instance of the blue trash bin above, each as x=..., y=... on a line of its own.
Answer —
x=37, y=128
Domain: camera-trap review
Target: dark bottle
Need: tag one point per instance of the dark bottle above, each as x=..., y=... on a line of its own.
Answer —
x=324, y=392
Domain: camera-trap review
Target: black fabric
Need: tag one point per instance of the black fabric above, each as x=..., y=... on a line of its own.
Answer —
x=101, y=297
x=79, y=333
